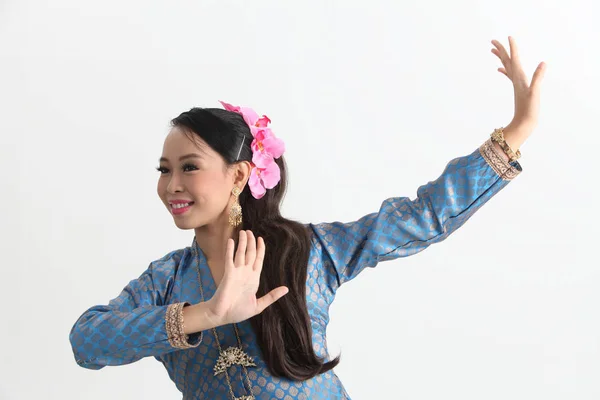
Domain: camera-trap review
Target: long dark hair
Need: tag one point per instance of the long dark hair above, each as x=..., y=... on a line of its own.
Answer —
x=283, y=330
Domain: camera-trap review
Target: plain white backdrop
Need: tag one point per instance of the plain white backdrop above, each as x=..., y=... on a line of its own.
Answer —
x=372, y=99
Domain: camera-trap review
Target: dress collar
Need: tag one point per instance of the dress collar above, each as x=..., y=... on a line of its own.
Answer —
x=199, y=263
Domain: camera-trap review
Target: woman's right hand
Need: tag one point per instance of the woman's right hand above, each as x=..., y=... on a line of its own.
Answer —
x=235, y=298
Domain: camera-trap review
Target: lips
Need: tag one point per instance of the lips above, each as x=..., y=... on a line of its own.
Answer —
x=179, y=201
x=182, y=203
x=180, y=208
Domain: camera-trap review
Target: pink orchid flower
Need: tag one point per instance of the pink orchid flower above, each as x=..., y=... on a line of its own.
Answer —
x=262, y=179
x=265, y=173
x=250, y=116
x=266, y=144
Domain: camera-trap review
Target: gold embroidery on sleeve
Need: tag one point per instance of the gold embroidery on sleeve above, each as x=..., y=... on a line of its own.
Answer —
x=501, y=166
x=175, y=328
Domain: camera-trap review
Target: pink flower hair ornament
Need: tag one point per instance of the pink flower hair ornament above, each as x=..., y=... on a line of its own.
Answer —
x=266, y=148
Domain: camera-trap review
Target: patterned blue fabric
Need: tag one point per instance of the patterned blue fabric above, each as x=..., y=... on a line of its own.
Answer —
x=132, y=325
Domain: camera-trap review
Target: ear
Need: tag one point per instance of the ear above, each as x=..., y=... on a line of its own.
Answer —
x=241, y=173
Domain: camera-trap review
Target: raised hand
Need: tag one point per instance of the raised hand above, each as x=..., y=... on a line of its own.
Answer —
x=527, y=94
x=235, y=298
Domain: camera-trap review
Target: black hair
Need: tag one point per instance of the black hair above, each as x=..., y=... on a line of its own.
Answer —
x=283, y=329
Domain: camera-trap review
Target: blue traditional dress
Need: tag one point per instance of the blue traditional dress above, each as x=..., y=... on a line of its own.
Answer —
x=146, y=318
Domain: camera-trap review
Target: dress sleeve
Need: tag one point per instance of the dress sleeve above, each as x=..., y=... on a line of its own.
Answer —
x=403, y=227
x=134, y=325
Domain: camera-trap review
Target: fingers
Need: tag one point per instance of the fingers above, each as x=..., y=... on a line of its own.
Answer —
x=507, y=66
x=246, y=250
x=517, y=72
x=250, y=248
x=514, y=50
x=229, y=254
x=501, y=52
x=511, y=62
x=260, y=255
x=240, y=255
x=537, y=76
x=497, y=53
x=270, y=298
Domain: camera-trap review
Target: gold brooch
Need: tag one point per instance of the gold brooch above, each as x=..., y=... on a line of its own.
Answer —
x=233, y=356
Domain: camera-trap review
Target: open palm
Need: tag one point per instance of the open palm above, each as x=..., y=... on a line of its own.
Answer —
x=235, y=299
x=527, y=94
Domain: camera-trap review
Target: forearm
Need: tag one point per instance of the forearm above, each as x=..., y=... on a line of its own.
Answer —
x=515, y=134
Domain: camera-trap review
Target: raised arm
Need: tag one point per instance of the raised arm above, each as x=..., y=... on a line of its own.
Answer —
x=403, y=227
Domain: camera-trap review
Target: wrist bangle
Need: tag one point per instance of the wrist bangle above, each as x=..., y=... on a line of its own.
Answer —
x=498, y=137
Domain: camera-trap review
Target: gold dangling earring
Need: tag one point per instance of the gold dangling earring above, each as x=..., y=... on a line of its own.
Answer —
x=235, y=214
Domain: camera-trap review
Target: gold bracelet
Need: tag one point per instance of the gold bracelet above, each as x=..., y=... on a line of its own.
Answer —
x=498, y=137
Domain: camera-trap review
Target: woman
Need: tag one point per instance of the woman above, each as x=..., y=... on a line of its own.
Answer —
x=242, y=312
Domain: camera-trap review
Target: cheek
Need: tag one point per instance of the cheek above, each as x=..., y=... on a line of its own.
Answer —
x=210, y=187
x=161, y=188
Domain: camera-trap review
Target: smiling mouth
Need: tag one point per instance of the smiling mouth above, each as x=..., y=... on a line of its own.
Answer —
x=181, y=205
x=181, y=209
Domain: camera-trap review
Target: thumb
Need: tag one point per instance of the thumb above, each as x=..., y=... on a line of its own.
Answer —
x=270, y=298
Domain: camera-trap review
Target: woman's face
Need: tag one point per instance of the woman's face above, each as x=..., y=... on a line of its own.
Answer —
x=194, y=184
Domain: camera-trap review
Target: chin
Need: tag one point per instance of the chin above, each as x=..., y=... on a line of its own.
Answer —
x=184, y=227
x=186, y=224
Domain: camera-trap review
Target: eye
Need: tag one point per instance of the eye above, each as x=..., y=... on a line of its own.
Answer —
x=189, y=167
x=186, y=168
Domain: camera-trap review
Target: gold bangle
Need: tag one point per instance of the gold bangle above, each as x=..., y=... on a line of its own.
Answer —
x=498, y=137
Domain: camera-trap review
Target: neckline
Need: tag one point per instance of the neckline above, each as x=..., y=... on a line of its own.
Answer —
x=199, y=262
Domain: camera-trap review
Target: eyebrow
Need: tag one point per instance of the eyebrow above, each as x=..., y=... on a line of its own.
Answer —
x=191, y=155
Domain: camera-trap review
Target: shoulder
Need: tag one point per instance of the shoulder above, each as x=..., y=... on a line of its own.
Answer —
x=314, y=231
x=162, y=274
x=321, y=272
x=170, y=264
x=325, y=235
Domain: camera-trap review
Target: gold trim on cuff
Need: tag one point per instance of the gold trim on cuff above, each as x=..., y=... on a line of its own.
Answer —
x=175, y=327
x=498, y=163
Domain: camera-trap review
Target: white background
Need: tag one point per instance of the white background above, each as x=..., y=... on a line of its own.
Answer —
x=372, y=100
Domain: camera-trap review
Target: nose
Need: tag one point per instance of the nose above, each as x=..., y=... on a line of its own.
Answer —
x=175, y=185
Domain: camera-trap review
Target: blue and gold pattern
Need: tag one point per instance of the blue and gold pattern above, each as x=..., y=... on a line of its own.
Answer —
x=146, y=318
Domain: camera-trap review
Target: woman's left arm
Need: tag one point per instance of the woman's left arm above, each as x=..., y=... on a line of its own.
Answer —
x=403, y=227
